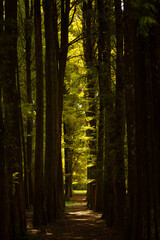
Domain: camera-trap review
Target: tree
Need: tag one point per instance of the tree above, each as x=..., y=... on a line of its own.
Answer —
x=4, y=200
x=56, y=57
x=68, y=159
x=89, y=54
x=28, y=167
x=13, y=157
x=107, y=99
x=119, y=182
x=38, y=217
x=130, y=113
x=51, y=70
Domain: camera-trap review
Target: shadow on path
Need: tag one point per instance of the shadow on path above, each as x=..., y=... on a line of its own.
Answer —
x=78, y=223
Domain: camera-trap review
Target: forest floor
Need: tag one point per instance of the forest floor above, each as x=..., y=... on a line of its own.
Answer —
x=77, y=223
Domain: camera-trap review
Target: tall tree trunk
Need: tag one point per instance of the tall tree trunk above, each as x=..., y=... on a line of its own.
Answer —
x=13, y=154
x=65, y=10
x=89, y=54
x=120, y=191
x=130, y=118
x=155, y=63
x=109, y=198
x=147, y=131
x=28, y=167
x=51, y=70
x=68, y=161
x=4, y=199
x=55, y=70
x=38, y=188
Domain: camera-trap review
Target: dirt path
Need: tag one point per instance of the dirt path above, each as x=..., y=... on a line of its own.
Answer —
x=78, y=223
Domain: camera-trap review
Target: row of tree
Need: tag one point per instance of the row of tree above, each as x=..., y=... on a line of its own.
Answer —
x=22, y=26
x=125, y=45
x=110, y=116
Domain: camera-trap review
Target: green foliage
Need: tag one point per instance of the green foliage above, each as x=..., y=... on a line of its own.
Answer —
x=80, y=192
x=144, y=12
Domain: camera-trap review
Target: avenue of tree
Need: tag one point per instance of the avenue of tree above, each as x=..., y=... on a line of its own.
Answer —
x=80, y=108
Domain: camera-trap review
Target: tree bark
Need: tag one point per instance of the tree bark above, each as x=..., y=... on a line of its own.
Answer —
x=13, y=156
x=51, y=70
x=4, y=199
x=89, y=54
x=119, y=182
x=28, y=171
x=68, y=161
x=38, y=188
x=130, y=116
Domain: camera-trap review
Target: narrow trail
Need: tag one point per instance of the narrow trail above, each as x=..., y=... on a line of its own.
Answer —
x=78, y=223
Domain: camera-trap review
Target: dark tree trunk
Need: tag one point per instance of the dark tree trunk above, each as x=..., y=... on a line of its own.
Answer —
x=119, y=182
x=28, y=168
x=13, y=154
x=68, y=161
x=89, y=54
x=38, y=188
x=147, y=132
x=130, y=115
x=55, y=70
x=4, y=199
x=51, y=70
x=107, y=98
x=65, y=10
x=155, y=68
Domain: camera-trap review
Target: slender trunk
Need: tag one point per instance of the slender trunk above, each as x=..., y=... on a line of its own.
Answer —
x=107, y=96
x=28, y=167
x=13, y=153
x=68, y=162
x=38, y=188
x=4, y=199
x=120, y=200
x=65, y=10
x=51, y=91
x=89, y=55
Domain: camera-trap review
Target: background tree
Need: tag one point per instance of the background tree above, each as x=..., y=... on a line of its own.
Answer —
x=4, y=202
x=38, y=217
x=120, y=191
x=107, y=101
x=28, y=48
x=89, y=55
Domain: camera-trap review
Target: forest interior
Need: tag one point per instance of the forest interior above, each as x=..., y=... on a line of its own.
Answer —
x=80, y=119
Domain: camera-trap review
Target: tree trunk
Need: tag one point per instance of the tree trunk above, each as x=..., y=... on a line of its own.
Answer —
x=55, y=70
x=147, y=132
x=130, y=116
x=51, y=70
x=107, y=98
x=89, y=54
x=4, y=199
x=13, y=154
x=28, y=171
x=38, y=188
x=119, y=182
x=68, y=161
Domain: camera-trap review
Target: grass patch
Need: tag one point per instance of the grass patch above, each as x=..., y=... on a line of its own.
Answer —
x=80, y=192
x=70, y=202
